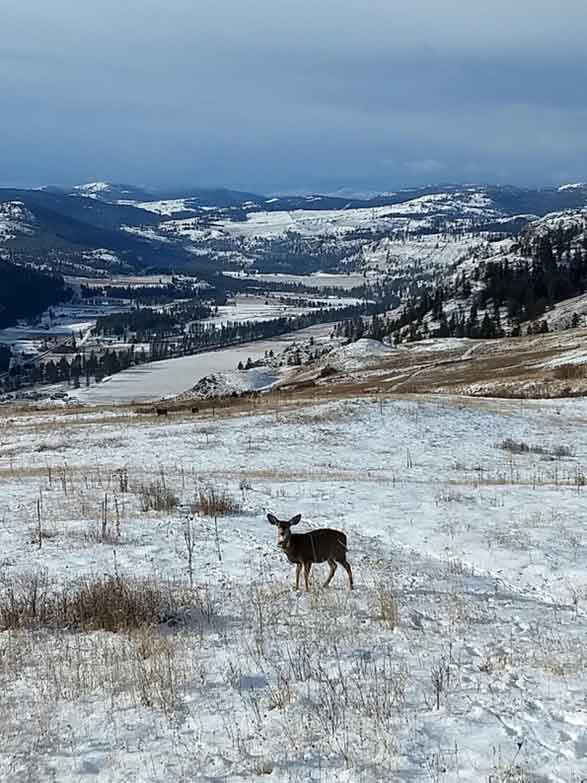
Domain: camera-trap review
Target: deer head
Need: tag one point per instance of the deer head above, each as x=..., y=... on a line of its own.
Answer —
x=283, y=528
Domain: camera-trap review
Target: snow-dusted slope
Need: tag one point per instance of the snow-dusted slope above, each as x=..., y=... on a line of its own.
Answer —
x=411, y=215
x=528, y=278
x=424, y=253
x=15, y=220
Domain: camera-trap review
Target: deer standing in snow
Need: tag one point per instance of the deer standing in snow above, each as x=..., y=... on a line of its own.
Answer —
x=316, y=546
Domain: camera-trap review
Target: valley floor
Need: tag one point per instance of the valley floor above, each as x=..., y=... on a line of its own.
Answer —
x=460, y=656
x=172, y=377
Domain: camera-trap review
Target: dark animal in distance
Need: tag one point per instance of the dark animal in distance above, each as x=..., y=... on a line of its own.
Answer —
x=195, y=409
x=161, y=411
x=316, y=546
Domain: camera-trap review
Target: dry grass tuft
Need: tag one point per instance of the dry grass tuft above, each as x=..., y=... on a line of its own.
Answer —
x=569, y=372
x=386, y=607
x=521, y=447
x=157, y=496
x=108, y=603
x=213, y=502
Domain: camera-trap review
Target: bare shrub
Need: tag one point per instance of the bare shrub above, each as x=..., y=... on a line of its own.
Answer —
x=440, y=679
x=512, y=771
x=157, y=496
x=386, y=606
x=563, y=451
x=569, y=372
x=450, y=495
x=109, y=603
x=142, y=667
x=521, y=447
x=213, y=502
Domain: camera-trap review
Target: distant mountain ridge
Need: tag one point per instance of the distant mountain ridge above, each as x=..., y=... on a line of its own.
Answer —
x=510, y=199
x=104, y=227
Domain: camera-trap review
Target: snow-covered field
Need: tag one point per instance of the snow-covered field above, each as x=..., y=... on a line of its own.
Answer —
x=316, y=280
x=260, y=308
x=459, y=657
x=171, y=377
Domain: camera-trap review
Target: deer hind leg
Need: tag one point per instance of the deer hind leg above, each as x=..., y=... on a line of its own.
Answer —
x=332, y=564
x=347, y=568
x=298, y=572
x=307, y=569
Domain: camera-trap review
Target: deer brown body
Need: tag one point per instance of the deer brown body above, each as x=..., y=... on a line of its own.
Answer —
x=315, y=546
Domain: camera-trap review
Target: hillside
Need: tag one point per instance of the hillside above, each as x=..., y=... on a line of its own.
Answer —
x=540, y=366
x=26, y=293
x=498, y=287
x=102, y=227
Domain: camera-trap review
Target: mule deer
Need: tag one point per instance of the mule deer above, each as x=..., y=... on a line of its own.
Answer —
x=316, y=546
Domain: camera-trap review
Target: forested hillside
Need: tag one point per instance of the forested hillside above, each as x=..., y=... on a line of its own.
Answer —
x=25, y=292
x=505, y=289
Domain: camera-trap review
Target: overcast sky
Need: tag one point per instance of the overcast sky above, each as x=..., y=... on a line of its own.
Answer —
x=293, y=94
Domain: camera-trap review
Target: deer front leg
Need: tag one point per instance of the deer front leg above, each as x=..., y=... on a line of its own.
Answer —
x=298, y=572
x=307, y=569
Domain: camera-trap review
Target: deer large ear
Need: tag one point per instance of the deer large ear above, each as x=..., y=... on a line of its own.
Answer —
x=272, y=519
x=295, y=520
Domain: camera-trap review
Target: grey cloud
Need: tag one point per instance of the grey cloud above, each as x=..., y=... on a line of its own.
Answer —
x=284, y=95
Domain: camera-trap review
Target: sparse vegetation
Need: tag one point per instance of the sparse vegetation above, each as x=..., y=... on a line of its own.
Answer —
x=109, y=603
x=521, y=447
x=386, y=606
x=157, y=496
x=570, y=372
x=213, y=502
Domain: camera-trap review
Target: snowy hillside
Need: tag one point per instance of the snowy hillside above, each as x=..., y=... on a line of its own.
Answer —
x=420, y=253
x=410, y=215
x=494, y=288
x=15, y=220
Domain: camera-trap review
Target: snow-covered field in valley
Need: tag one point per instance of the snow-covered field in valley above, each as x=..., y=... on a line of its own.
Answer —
x=316, y=280
x=459, y=657
x=171, y=377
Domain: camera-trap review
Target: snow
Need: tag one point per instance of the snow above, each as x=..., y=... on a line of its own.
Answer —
x=561, y=315
x=146, y=232
x=359, y=354
x=171, y=377
x=94, y=187
x=254, y=308
x=315, y=280
x=573, y=186
x=104, y=255
x=339, y=222
x=15, y=220
x=189, y=229
x=570, y=218
x=427, y=252
x=482, y=551
x=438, y=344
x=225, y=383
x=167, y=208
